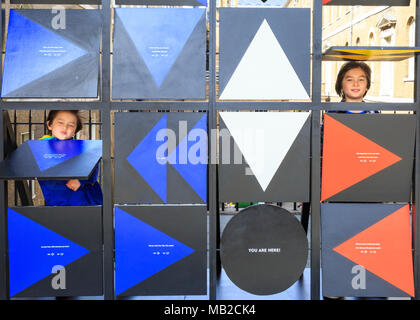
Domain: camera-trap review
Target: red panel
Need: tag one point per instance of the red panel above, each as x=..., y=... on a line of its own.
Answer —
x=349, y=157
x=385, y=250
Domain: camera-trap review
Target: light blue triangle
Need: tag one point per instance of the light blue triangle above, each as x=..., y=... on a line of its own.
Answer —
x=142, y=251
x=34, y=250
x=33, y=51
x=143, y=159
x=159, y=34
x=195, y=174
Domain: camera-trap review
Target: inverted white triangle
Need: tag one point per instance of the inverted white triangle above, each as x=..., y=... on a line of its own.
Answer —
x=264, y=72
x=264, y=138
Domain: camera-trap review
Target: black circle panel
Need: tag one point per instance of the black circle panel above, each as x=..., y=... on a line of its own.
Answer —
x=264, y=249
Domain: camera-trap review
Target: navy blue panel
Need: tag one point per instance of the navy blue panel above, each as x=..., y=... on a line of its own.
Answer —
x=141, y=251
x=32, y=52
x=143, y=159
x=159, y=46
x=193, y=173
x=34, y=250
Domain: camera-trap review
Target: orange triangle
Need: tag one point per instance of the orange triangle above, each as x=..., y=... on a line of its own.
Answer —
x=385, y=250
x=349, y=157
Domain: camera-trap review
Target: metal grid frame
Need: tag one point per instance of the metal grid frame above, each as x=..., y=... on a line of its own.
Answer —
x=105, y=105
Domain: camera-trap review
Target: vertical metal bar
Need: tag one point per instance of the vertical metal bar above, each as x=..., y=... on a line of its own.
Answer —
x=4, y=276
x=107, y=210
x=416, y=219
x=315, y=149
x=213, y=202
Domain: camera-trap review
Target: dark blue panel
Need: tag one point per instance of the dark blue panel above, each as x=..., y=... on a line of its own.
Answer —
x=141, y=251
x=34, y=250
x=33, y=51
x=50, y=153
x=159, y=35
x=143, y=159
x=194, y=173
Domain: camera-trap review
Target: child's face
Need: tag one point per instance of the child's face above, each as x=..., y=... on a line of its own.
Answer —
x=354, y=85
x=63, y=126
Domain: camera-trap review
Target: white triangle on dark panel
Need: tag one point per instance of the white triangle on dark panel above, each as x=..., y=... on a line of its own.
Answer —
x=264, y=72
x=264, y=138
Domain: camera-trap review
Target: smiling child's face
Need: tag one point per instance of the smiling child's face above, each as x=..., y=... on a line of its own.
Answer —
x=354, y=85
x=63, y=126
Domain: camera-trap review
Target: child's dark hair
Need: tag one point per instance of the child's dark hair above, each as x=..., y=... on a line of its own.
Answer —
x=53, y=113
x=346, y=67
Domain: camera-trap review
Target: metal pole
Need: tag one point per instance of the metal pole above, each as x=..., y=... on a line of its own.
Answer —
x=315, y=150
x=212, y=166
x=107, y=209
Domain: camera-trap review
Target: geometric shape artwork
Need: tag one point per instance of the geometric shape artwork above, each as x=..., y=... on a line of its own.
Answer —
x=364, y=162
x=164, y=161
x=370, y=244
x=159, y=53
x=370, y=53
x=45, y=58
x=145, y=162
x=43, y=240
x=155, y=253
x=52, y=159
x=262, y=60
x=275, y=149
x=366, y=2
x=163, y=2
x=264, y=249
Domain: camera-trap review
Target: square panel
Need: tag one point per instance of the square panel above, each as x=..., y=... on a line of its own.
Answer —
x=159, y=53
x=164, y=160
x=267, y=58
x=52, y=55
x=55, y=251
x=52, y=159
x=264, y=156
x=365, y=161
x=366, y=250
x=160, y=250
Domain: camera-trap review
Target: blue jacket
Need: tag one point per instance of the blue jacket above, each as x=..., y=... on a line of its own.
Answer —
x=56, y=192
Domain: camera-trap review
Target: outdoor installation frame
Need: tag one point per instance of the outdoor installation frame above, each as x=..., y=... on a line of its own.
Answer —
x=106, y=106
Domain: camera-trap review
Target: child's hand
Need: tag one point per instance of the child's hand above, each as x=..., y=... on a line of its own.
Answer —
x=73, y=184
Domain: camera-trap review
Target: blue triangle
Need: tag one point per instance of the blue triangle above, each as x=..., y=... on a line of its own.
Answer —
x=195, y=174
x=49, y=153
x=159, y=35
x=26, y=58
x=203, y=2
x=143, y=159
x=31, y=246
x=141, y=251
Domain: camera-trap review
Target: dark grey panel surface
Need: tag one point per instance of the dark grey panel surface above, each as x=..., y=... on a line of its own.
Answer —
x=264, y=227
x=130, y=186
x=75, y=79
x=132, y=78
x=83, y=226
x=289, y=183
x=340, y=222
x=188, y=225
x=392, y=183
x=288, y=25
